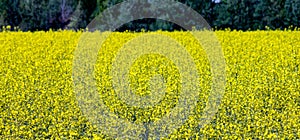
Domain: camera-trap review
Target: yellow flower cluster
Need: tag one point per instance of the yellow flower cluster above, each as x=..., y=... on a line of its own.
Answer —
x=261, y=100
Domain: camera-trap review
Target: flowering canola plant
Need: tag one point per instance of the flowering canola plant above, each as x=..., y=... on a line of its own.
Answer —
x=261, y=100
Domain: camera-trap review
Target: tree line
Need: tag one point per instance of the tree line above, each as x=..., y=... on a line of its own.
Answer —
x=32, y=15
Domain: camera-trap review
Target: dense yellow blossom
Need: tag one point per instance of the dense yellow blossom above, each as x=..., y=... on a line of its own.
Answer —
x=262, y=97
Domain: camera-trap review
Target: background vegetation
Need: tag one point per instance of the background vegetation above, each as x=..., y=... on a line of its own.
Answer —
x=75, y=14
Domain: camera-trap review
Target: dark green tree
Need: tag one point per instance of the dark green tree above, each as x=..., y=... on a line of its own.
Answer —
x=76, y=14
x=292, y=13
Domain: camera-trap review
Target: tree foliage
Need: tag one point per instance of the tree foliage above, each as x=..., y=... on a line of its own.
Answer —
x=77, y=14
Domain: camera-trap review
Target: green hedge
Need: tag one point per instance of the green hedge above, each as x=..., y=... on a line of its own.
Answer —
x=75, y=14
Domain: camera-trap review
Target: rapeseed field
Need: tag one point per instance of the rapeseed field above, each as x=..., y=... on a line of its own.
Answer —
x=261, y=99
